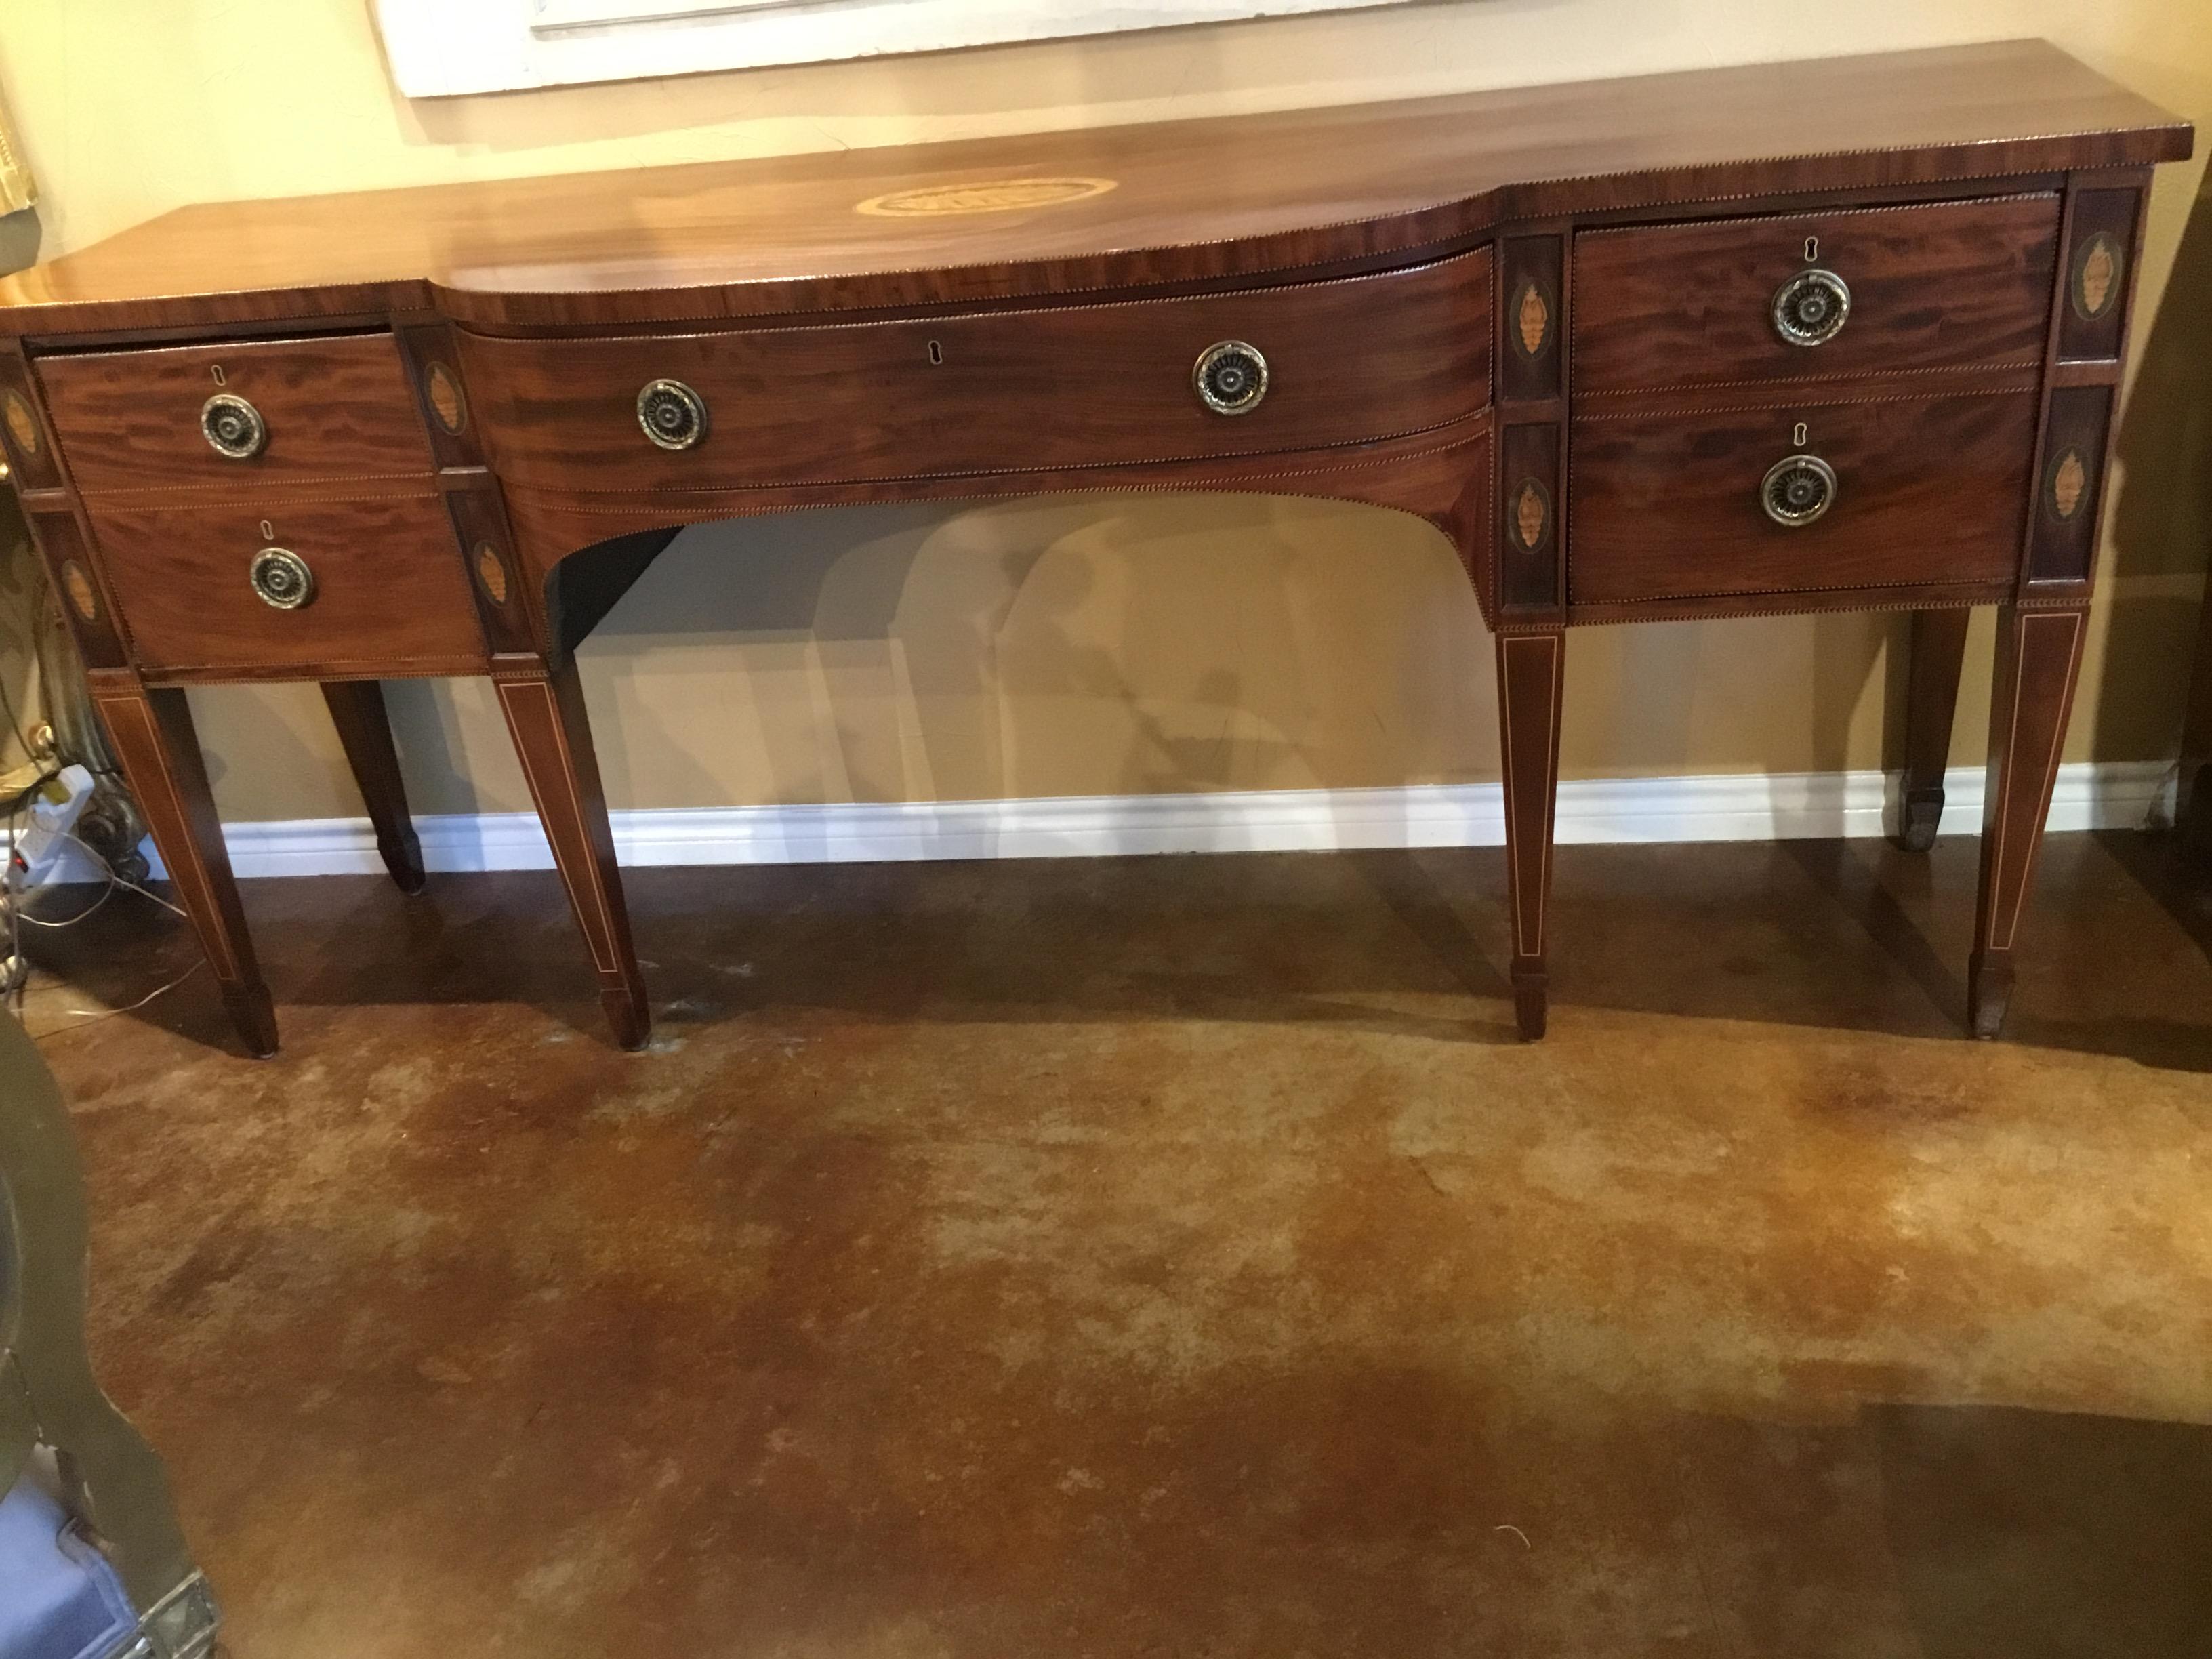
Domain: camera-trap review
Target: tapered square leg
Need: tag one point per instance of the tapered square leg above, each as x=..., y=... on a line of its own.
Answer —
x=1530, y=674
x=365, y=731
x=152, y=731
x=1938, y=650
x=2038, y=659
x=545, y=710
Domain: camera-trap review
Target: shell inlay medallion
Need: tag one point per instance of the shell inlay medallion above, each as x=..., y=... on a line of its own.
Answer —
x=2097, y=282
x=985, y=195
x=22, y=424
x=2070, y=483
x=1531, y=516
x=445, y=394
x=1532, y=320
x=491, y=571
x=78, y=587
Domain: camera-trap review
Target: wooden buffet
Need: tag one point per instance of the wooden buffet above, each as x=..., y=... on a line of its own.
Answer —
x=1835, y=335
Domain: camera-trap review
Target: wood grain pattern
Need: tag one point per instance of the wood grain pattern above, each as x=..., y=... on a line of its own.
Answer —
x=1351, y=361
x=1937, y=649
x=1929, y=491
x=1949, y=284
x=1531, y=683
x=335, y=408
x=552, y=735
x=151, y=730
x=2039, y=661
x=1440, y=476
x=1219, y=201
x=392, y=595
x=365, y=732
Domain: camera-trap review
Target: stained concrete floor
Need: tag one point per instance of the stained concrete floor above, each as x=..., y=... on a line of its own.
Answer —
x=1177, y=1257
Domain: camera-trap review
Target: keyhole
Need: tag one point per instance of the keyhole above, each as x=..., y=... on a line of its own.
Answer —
x=267, y=530
x=215, y=370
x=1802, y=436
x=936, y=353
x=1812, y=250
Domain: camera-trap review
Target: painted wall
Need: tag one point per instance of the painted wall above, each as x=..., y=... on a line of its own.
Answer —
x=1081, y=648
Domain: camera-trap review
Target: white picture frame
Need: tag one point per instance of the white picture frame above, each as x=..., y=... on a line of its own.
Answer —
x=446, y=48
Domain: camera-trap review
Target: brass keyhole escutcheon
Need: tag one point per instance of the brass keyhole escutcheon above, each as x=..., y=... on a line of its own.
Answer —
x=1811, y=308
x=233, y=426
x=1798, y=490
x=281, y=578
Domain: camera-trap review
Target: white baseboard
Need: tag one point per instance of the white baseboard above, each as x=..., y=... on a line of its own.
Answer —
x=1746, y=807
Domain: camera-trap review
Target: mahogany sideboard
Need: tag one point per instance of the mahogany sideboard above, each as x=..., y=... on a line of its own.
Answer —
x=1833, y=335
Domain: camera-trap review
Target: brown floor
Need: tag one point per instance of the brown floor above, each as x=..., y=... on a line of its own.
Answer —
x=1177, y=1257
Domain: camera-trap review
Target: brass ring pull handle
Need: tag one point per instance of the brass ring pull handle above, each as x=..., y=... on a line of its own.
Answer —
x=233, y=426
x=1231, y=378
x=671, y=414
x=1798, y=490
x=1811, y=308
x=281, y=578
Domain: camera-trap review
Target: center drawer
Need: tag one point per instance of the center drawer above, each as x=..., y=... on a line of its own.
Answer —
x=1917, y=492
x=1345, y=362
x=1808, y=296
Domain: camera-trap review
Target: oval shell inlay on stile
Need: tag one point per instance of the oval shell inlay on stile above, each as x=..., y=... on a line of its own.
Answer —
x=2097, y=282
x=78, y=585
x=22, y=425
x=492, y=571
x=1532, y=320
x=2070, y=483
x=1531, y=516
x=445, y=395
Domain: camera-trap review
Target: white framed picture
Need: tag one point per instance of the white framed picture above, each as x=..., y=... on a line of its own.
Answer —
x=440, y=48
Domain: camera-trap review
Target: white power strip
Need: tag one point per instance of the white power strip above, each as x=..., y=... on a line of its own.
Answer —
x=42, y=840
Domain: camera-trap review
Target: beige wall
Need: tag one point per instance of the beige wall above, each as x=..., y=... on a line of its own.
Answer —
x=1078, y=647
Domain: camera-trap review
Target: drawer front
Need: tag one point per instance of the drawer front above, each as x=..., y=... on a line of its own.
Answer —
x=389, y=591
x=1953, y=284
x=1346, y=361
x=1672, y=507
x=329, y=408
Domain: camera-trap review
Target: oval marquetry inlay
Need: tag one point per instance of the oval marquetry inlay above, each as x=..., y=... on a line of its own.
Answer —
x=78, y=585
x=492, y=571
x=22, y=425
x=2070, y=483
x=1531, y=516
x=445, y=394
x=986, y=196
x=1532, y=320
x=2097, y=280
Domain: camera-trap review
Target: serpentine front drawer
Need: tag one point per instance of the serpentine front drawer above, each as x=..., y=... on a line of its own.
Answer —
x=1812, y=297
x=235, y=416
x=1800, y=498
x=1298, y=367
x=329, y=588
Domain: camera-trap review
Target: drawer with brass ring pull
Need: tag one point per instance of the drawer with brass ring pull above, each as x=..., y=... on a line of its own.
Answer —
x=286, y=587
x=1682, y=504
x=236, y=416
x=1297, y=365
x=1835, y=295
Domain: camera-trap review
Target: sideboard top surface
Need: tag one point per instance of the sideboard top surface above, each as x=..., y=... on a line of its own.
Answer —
x=1112, y=207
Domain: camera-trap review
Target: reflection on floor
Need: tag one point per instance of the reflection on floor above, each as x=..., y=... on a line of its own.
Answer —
x=1177, y=1257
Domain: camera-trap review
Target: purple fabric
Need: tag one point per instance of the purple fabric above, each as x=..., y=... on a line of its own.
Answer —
x=59, y=1599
